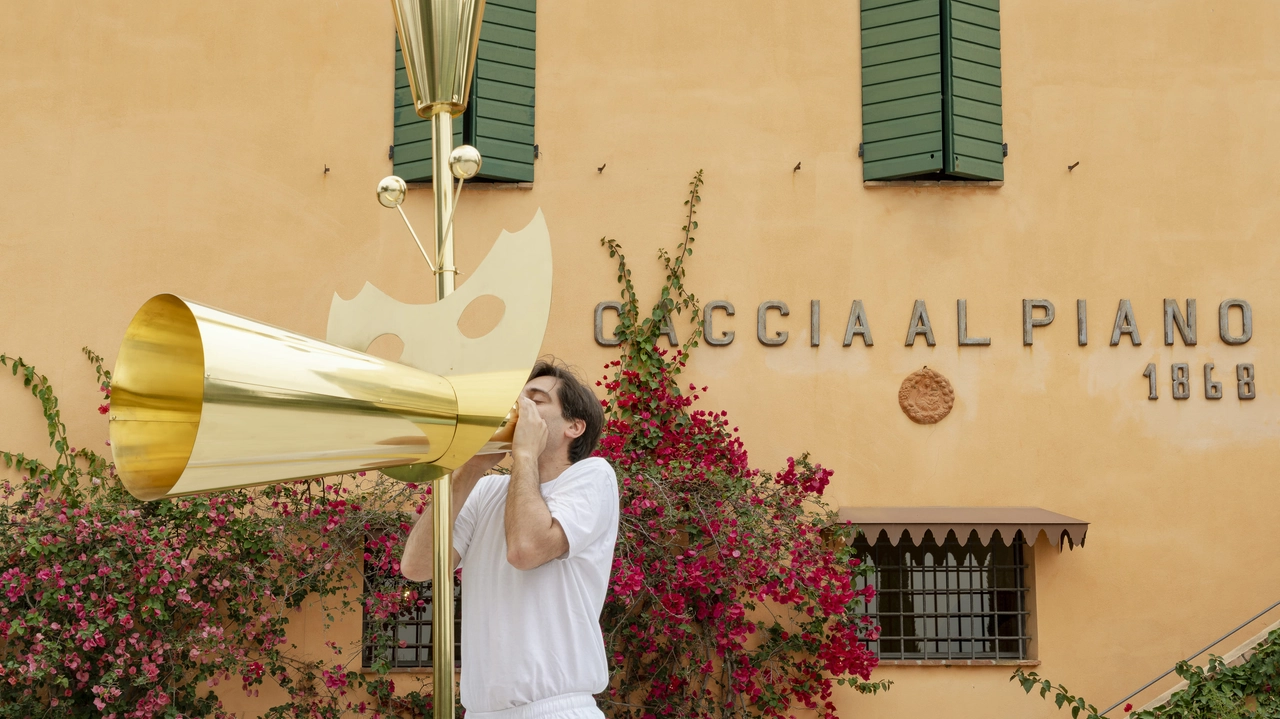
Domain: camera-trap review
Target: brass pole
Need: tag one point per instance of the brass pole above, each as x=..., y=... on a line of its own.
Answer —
x=442, y=571
x=442, y=184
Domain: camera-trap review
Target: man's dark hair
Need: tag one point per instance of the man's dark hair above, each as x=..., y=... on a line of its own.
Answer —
x=577, y=401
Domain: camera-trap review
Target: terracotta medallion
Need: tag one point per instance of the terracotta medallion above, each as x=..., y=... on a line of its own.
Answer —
x=926, y=396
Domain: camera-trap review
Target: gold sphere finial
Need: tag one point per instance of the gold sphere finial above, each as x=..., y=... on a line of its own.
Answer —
x=464, y=162
x=391, y=191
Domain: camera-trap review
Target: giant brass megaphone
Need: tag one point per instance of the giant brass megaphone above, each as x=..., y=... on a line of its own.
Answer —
x=205, y=400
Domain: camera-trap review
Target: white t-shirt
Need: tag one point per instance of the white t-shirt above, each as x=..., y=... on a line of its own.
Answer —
x=530, y=635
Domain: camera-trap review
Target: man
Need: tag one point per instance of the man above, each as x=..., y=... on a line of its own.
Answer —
x=537, y=549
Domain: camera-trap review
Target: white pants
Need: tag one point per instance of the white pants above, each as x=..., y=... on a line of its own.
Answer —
x=565, y=706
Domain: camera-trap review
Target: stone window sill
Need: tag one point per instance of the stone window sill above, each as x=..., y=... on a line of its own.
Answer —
x=959, y=662
x=930, y=183
x=421, y=671
x=428, y=671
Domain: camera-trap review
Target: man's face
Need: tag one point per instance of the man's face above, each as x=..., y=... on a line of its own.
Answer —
x=542, y=390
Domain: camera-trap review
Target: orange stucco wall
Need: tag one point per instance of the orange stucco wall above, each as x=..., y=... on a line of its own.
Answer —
x=151, y=147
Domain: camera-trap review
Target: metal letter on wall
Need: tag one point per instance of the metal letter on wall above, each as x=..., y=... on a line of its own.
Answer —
x=1246, y=381
x=780, y=336
x=919, y=325
x=1082, y=327
x=815, y=331
x=857, y=325
x=1224, y=322
x=1186, y=325
x=709, y=333
x=1029, y=320
x=613, y=340
x=669, y=330
x=1212, y=388
x=1125, y=325
x=962, y=327
x=1180, y=374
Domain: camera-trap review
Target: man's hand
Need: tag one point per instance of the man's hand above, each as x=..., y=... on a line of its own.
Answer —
x=531, y=432
x=533, y=536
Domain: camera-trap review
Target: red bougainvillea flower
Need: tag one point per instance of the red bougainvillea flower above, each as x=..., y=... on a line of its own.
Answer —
x=730, y=586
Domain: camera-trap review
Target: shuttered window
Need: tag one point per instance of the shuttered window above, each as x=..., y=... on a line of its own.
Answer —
x=901, y=88
x=499, y=116
x=931, y=90
x=974, y=137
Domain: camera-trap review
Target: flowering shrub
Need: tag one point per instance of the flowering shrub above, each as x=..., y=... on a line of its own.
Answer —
x=113, y=607
x=734, y=592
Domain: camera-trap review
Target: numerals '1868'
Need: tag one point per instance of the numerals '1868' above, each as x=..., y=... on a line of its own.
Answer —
x=1246, y=381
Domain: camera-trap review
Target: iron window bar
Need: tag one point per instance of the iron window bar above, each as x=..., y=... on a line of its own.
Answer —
x=412, y=627
x=948, y=601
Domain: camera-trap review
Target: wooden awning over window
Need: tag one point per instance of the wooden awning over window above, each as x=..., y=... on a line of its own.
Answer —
x=915, y=521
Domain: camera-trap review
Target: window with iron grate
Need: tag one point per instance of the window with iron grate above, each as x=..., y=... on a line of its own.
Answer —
x=382, y=638
x=948, y=602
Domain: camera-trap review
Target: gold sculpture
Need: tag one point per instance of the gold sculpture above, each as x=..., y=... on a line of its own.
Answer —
x=205, y=400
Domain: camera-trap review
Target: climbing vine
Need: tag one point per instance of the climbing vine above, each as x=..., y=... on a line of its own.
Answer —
x=1249, y=690
x=734, y=591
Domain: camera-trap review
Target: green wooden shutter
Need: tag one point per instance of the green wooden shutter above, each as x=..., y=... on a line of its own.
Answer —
x=499, y=118
x=972, y=73
x=901, y=88
x=412, y=137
